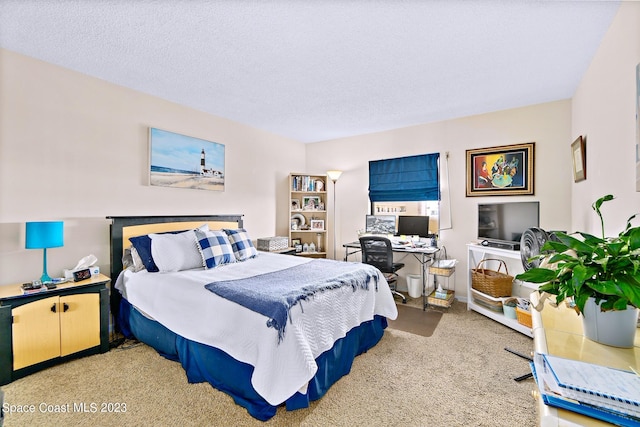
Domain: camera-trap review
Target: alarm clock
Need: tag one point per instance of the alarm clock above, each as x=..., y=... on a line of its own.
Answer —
x=81, y=275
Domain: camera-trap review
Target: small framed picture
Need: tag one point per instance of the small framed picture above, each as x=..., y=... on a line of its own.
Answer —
x=579, y=155
x=295, y=242
x=317, y=224
x=295, y=204
x=310, y=203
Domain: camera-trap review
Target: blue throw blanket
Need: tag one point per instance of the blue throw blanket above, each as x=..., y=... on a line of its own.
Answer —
x=273, y=294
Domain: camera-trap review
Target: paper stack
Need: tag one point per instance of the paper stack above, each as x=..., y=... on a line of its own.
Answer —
x=597, y=391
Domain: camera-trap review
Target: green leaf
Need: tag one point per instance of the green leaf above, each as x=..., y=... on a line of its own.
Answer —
x=634, y=239
x=606, y=287
x=575, y=244
x=537, y=275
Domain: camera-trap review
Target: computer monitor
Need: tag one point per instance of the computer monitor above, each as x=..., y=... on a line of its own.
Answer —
x=409, y=225
x=381, y=224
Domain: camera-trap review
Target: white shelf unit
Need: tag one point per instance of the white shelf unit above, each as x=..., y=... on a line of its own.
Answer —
x=311, y=187
x=475, y=254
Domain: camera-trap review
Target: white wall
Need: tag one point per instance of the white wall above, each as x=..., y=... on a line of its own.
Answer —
x=75, y=148
x=548, y=125
x=604, y=110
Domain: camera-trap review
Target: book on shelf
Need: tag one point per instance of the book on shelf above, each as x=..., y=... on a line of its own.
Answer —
x=594, y=390
x=306, y=183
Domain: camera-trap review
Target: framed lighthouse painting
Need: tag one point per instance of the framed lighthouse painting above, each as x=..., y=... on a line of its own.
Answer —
x=182, y=161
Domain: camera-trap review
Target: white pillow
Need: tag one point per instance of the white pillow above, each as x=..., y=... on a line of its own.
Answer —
x=175, y=252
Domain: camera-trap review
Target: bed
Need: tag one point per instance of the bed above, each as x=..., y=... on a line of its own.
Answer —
x=267, y=329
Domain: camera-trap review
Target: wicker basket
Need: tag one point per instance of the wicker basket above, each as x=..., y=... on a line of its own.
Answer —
x=490, y=282
x=441, y=302
x=524, y=317
x=435, y=269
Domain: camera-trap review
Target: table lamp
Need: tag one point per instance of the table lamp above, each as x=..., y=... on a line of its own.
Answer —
x=43, y=235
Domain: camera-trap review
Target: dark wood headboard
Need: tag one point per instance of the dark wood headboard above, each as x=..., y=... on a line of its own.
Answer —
x=123, y=227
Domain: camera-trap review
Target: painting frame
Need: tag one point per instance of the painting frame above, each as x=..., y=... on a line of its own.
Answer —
x=310, y=203
x=317, y=224
x=181, y=161
x=579, y=159
x=511, y=172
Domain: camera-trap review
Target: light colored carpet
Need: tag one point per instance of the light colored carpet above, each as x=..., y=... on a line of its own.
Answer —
x=460, y=376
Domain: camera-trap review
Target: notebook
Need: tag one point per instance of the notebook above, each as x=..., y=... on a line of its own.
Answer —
x=592, y=384
x=611, y=416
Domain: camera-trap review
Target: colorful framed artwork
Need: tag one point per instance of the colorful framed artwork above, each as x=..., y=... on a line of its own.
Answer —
x=579, y=156
x=500, y=171
x=182, y=161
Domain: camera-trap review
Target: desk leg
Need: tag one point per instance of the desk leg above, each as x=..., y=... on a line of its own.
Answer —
x=426, y=260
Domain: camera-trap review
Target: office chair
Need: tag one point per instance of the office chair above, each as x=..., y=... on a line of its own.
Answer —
x=377, y=251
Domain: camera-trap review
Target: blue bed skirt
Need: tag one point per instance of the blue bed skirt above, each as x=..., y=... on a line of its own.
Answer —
x=205, y=363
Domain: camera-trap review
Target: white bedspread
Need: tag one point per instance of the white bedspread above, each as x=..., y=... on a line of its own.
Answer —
x=179, y=301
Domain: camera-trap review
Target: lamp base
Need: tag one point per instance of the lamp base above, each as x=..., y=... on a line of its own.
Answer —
x=45, y=277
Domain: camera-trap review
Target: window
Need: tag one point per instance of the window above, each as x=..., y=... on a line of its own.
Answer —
x=406, y=186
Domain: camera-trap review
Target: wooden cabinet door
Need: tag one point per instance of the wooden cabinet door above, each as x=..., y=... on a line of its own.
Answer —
x=36, y=332
x=79, y=322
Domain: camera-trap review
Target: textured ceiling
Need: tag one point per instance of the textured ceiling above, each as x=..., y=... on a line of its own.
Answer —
x=318, y=70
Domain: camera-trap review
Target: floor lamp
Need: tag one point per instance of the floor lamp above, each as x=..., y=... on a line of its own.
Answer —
x=333, y=176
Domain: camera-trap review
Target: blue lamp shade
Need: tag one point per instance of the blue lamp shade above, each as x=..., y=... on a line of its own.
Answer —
x=43, y=235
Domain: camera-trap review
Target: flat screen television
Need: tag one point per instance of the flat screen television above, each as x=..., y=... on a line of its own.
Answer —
x=413, y=225
x=381, y=224
x=502, y=224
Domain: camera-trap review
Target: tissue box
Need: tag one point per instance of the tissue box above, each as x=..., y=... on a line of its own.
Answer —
x=442, y=294
x=273, y=243
x=95, y=270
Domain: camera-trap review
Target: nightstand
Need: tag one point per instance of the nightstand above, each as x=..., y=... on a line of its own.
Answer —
x=52, y=326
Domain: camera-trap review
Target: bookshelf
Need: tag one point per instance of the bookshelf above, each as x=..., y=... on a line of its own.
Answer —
x=308, y=206
x=476, y=253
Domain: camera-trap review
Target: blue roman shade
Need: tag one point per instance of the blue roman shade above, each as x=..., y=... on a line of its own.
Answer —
x=405, y=179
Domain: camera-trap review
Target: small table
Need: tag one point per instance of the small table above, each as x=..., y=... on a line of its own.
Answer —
x=558, y=331
x=424, y=256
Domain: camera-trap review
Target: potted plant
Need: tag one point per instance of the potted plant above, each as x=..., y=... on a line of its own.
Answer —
x=593, y=272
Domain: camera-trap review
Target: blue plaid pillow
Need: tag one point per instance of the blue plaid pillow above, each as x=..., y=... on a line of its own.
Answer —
x=243, y=248
x=215, y=248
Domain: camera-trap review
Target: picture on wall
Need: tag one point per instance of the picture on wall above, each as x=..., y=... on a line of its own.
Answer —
x=182, y=161
x=579, y=155
x=500, y=171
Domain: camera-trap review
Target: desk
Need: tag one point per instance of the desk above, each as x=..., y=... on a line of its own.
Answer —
x=424, y=256
x=558, y=331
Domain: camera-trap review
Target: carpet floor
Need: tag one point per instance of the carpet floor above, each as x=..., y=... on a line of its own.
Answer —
x=459, y=376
